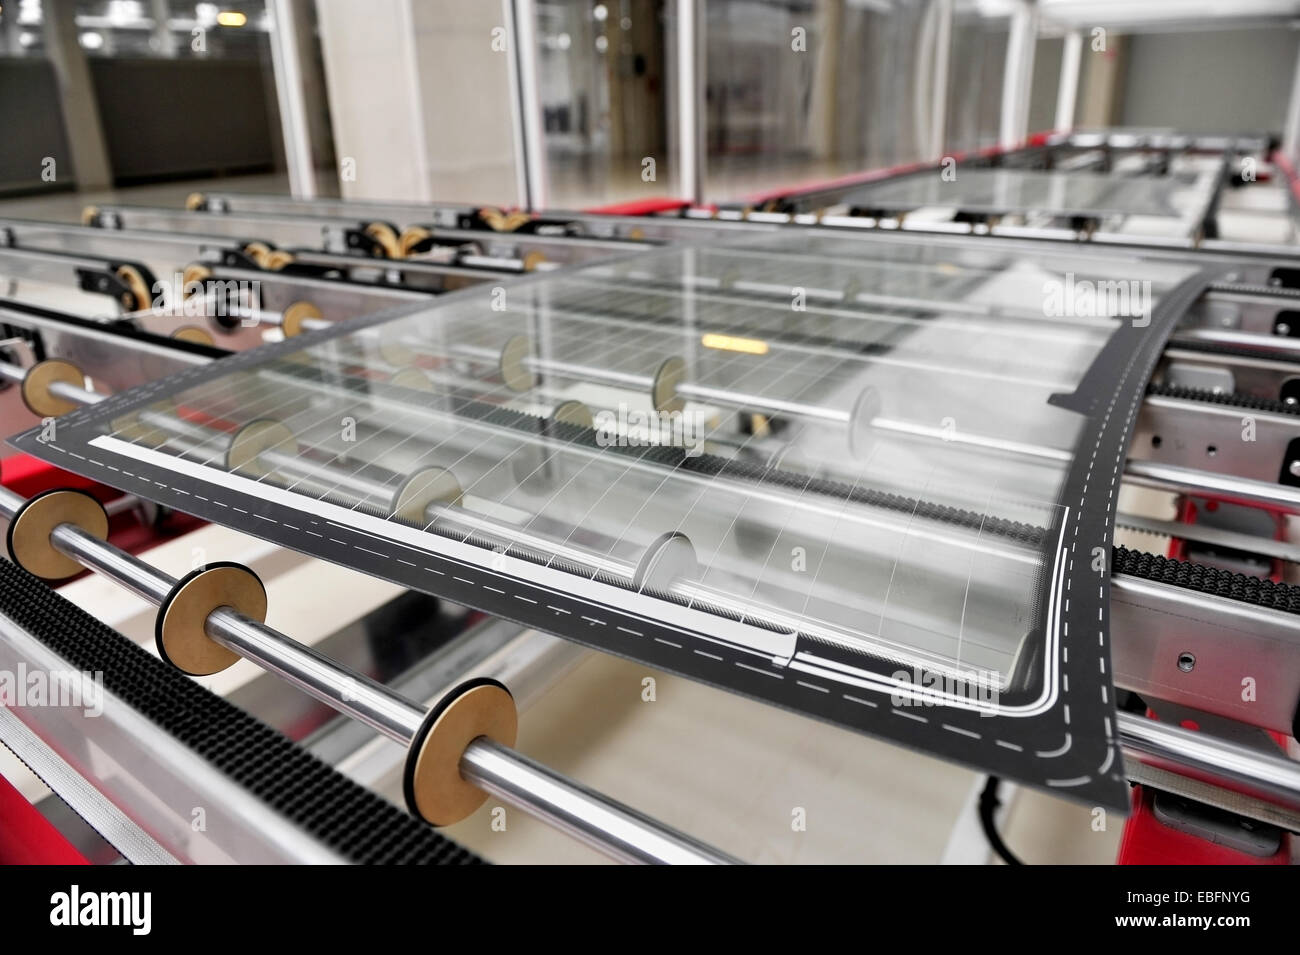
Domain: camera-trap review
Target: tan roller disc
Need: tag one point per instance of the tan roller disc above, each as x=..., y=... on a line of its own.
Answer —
x=130, y=427
x=258, y=251
x=385, y=238
x=396, y=352
x=192, y=333
x=411, y=237
x=636, y=233
x=277, y=259
x=426, y=486
x=252, y=439
x=574, y=412
x=513, y=368
x=36, y=387
x=412, y=378
x=130, y=276
x=515, y=220
x=495, y=218
x=291, y=322
x=440, y=795
x=533, y=260
x=194, y=274
x=181, y=627
x=664, y=390
x=29, y=533
x=88, y=215
x=194, y=201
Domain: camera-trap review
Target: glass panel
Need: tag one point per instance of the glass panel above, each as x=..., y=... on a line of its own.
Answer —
x=824, y=437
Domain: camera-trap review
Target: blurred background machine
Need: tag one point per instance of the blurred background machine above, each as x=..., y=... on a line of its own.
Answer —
x=847, y=239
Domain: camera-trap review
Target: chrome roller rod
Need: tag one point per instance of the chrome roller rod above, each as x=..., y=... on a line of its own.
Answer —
x=601, y=822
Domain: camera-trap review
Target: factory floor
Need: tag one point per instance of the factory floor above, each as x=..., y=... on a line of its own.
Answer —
x=732, y=772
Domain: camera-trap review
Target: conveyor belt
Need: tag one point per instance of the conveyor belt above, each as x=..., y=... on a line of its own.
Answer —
x=1206, y=580
x=1227, y=398
x=353, y=821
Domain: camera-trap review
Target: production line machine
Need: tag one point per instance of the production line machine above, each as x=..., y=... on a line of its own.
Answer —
x=1130, y=188
x=875, y=480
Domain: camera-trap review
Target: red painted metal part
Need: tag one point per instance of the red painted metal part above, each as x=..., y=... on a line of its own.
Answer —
x=27, y=476
x=874, y=175
x=27, y=837
x=1289, y=172
x=640, y=207
x=1148, y=841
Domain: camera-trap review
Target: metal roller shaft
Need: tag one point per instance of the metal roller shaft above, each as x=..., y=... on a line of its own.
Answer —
x=598, y=820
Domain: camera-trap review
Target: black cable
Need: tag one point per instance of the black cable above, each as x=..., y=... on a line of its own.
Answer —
x=988, y=806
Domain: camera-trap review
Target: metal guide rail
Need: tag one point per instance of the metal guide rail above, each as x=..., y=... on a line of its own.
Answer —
x=172, y=256
x=1255, y=263
x=378, y=239
x=1106, y=167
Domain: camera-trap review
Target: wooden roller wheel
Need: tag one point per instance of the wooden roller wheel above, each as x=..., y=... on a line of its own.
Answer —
x=386, y=239
x=29, y=532
x=194, y=334
x=411, y=237
x=180, y=629
x=89, y=214
x=139, y=299
x=432, y=784
x=492, y=216
x=258, y=252
x=293, y=320
x=38, y=397
x=194, y=274
x=277, y=259
x=195, y=201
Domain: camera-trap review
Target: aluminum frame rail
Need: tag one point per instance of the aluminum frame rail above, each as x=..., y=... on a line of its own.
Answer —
x=707, y=225
x=169, y=254
x=379, y=239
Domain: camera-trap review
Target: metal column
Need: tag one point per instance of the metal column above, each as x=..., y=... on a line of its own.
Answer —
x=289, y=94
x=688, y=92
x=1018, y=74
x=1291, y=133
x=939, y=93
x=1068, y=90
x=526, y=103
